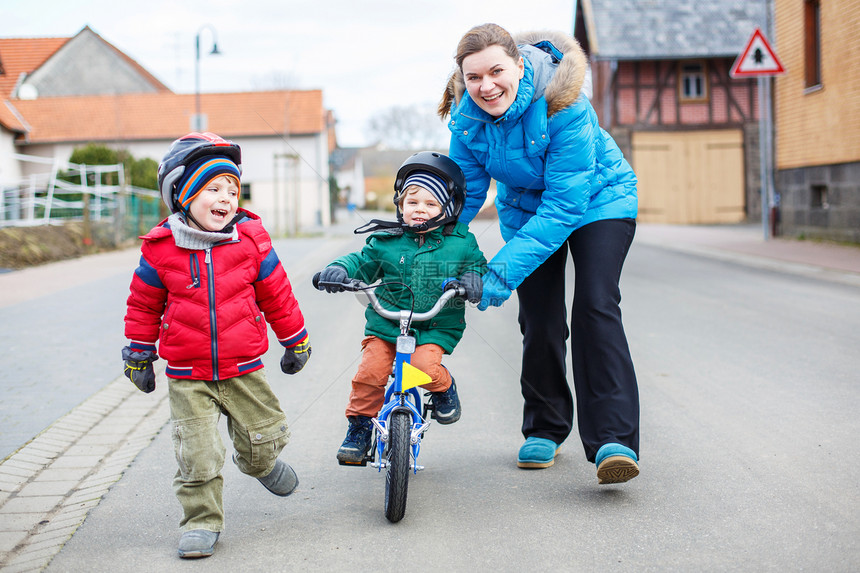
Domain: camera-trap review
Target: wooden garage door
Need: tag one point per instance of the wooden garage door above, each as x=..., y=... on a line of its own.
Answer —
x=690, y=177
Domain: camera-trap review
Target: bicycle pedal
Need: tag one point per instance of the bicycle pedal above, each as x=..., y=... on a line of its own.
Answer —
x=362, y=463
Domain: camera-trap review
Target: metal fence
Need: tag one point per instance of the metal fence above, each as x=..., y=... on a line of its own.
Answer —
x=47, y=197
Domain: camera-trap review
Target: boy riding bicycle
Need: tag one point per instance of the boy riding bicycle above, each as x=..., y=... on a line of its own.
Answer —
x=426, y=250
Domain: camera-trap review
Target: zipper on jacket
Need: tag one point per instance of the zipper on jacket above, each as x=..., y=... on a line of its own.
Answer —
x=213, y=326
x=476, y=118
x=503, y=151
x=194, y=267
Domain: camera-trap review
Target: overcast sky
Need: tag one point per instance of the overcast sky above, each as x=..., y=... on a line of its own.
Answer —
x=366, y=55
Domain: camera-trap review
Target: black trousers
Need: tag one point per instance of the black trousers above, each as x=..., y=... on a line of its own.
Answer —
x=607, y=396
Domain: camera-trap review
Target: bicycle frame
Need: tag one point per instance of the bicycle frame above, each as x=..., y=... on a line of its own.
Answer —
x=397, y=399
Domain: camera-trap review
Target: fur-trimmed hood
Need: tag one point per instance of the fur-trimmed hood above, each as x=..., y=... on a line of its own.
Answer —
x=564, y=86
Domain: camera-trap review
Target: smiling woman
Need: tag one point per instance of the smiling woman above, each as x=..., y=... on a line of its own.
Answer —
x=518, y=115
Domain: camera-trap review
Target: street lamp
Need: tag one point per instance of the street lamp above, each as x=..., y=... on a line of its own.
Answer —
x=197, y=124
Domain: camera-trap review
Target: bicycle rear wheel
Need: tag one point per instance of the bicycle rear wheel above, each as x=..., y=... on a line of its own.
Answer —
x=397, y=477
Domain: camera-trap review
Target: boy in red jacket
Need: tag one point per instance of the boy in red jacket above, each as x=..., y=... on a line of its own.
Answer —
x=207, y=278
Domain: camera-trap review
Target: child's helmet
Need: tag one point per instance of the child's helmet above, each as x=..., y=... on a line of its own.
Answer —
x=186, y=150
x=445, y=168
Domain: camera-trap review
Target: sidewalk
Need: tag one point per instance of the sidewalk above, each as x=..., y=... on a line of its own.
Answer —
x=745, y=244
x=48, y=486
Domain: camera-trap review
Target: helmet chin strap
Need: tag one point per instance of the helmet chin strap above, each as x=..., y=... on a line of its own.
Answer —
x=433, y=222
x=380, y=225
x=437, y=221
x=189, y=217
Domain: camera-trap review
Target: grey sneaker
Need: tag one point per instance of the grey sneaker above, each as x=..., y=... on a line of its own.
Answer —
x=282, y=480
x=446, y=405
x=357, y=441
x=197, y=543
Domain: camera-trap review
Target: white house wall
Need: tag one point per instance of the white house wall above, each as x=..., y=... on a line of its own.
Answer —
x=352, y=180
x=10, y=168
x=293, y=200
x=295, y=197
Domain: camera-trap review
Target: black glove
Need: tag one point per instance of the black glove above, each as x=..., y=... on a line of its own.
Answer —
x=474, y=285
x=333, y=274
x=294, y=358
x=138, y=368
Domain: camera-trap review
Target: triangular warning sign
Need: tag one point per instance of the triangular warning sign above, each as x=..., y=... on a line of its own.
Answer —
x=757, y=59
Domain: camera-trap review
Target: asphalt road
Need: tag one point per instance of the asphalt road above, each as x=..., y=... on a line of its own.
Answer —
x=749, y=388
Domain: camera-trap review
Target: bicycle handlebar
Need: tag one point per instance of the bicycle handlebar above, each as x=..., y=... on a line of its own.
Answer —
x=355, y=285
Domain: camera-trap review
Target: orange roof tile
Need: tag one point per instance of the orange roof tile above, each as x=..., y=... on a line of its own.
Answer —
x=168, y=115
x=9, y=117
x=23, y=55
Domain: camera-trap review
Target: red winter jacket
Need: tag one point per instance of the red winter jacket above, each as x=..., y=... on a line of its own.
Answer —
x=206, y=307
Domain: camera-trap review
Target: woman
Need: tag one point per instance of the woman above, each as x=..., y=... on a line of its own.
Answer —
x=517, y=115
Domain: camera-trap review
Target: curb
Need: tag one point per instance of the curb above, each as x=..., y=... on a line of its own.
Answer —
x=758, y=261
x=49, y=485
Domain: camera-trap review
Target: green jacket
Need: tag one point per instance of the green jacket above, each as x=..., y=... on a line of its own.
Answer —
x=396, y=256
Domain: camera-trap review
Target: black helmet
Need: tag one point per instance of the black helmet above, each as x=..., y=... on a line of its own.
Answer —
x=445, y=168
x=185, y=151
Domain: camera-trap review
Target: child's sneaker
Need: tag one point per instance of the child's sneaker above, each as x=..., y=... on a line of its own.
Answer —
x=281, y=481
x=357, y=441
x=446, y=405
x=197, y=543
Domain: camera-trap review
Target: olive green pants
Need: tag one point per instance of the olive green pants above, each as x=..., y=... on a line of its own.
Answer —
x=255, y=423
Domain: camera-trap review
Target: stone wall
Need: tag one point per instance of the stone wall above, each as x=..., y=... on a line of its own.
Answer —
x=820, y=202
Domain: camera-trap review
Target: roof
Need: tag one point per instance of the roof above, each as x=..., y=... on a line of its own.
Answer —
x=168, y=115
x=662, y=29
x=23, y=55
x=88, y=65
x=19, y=56
x=344, y=157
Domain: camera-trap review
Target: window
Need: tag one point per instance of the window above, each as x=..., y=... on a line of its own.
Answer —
x=819, y=197
x=693, y=82
x=245, y=192
x=812, y=42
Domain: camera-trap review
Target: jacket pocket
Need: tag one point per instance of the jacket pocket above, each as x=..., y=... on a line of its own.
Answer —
x=520, y=199
x=167, y=323
x=255, y=317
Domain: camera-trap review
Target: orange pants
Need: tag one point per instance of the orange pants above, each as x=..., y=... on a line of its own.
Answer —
x=368, y=384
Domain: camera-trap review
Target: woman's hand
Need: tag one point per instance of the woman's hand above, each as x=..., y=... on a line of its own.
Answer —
x=495, y=292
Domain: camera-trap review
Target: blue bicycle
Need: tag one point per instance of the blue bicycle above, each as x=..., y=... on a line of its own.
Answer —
x=403, y=419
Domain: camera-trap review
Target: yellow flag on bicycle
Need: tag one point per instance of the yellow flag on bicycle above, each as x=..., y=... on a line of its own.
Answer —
x=413, y=377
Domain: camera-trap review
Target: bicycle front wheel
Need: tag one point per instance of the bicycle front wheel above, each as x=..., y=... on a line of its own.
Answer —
x=397, y=477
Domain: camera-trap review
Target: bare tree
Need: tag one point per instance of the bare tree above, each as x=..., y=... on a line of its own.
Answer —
x=414, y=126
x=275, y=80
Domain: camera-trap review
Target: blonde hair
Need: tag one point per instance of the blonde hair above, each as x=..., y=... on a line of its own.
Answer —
x=477, y=39
x=401, y=196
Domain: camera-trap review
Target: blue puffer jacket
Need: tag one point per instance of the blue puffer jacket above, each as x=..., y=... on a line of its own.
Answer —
x=555, y=168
